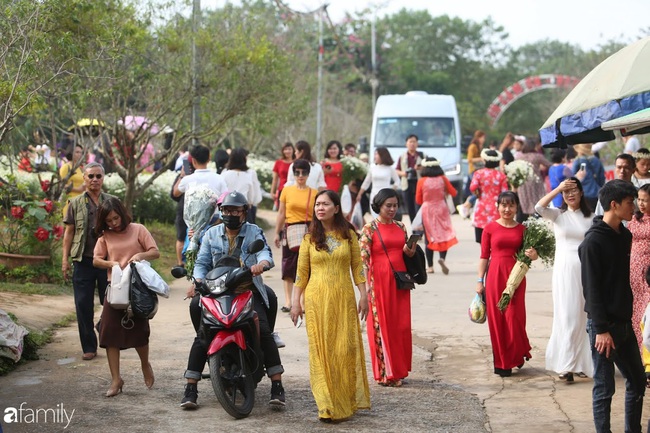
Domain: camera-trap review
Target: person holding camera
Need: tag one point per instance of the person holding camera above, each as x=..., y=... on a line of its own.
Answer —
x=332, y=166
x=408, y=168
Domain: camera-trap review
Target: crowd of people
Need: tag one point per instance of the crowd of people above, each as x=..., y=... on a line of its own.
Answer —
x=593, y=221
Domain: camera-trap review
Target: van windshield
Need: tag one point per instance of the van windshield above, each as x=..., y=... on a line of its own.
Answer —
x=431, y=132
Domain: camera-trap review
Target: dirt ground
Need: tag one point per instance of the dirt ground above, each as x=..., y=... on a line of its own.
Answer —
x=62, y=379
x=452, y=387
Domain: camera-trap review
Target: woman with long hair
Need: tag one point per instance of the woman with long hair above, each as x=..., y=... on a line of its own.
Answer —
x=533, y=189
x=332, y=166
x=487, y=184
x=382, y=174
x=316, y=178
x=474, y=162
x=430, y=194
x=500, y=242
x=281, y=170
x=639, y=263
x=383, y=243
x=568, y=350
x=296, y=204
x=329, y=264
x=121, y=242
x=240, y=178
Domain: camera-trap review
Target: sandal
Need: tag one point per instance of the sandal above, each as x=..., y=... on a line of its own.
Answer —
x=285, y=309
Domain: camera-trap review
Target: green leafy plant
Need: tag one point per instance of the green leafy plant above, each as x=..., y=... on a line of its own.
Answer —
x=29, y=224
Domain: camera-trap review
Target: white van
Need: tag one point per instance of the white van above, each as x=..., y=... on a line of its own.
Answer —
x=433, y=118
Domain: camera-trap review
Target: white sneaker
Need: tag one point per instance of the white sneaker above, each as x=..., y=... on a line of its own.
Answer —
x=278, y=340
x=463, y=211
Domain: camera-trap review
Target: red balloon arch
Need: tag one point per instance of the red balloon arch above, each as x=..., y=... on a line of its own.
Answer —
x=525, y=86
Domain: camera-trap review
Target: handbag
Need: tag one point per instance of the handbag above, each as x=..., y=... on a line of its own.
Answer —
x=404, y=280
x=117, y=293
x=143, y=303
x=416, y=265
x=296, y=232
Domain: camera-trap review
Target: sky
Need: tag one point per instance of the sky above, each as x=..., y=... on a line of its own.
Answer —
x=586, y=23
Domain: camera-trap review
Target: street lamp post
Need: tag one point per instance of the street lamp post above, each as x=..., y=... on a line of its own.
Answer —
x=196, y=98
x=319, y=101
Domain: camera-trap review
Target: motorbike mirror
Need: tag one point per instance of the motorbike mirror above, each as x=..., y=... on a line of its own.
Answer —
x=256, y=246
x=179, y=272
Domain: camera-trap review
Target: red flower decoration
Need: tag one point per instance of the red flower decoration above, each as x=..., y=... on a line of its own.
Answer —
x=57, y=231
x=42, y=234
x=45, y=185
x=17, y=212
x=48, y=205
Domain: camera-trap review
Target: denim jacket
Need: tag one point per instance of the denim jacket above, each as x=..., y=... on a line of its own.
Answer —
x=214, y=245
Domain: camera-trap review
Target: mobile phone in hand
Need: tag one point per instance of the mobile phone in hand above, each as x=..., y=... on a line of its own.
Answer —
x=413, y=239
x=299, y=322
x=583, y=166
x=187, y=167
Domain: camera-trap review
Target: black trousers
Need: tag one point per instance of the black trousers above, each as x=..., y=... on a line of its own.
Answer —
x=85, y=278
x=409, y=198
x=272, y=363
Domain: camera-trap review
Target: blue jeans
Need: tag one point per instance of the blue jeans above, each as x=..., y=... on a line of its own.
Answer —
x=628, y=360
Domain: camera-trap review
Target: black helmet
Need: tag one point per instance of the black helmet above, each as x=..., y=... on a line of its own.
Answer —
x=235, y=199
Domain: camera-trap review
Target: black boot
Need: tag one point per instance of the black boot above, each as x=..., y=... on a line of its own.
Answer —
x=191, y=395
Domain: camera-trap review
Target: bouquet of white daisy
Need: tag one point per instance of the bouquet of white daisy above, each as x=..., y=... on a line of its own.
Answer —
x=518, y=172
x=200, y=203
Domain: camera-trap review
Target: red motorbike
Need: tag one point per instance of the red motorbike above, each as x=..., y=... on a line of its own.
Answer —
x=229, y=328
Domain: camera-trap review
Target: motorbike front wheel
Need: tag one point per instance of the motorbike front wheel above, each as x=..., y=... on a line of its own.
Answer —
x=232, y=382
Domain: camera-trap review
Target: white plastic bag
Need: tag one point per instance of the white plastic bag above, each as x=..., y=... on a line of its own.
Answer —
x=117, y=294
x=476, y=310
x=416, y=224
x=151, y=279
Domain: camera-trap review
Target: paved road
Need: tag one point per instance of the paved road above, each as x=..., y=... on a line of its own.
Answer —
x=452, y=387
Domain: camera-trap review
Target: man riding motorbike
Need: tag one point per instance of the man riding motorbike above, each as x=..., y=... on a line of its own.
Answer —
x=231, y=237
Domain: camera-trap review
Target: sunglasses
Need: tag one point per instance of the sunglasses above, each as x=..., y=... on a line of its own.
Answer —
x=300, y=173
x=93, y=176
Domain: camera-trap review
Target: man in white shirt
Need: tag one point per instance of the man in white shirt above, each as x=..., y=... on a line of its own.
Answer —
x=202, y=175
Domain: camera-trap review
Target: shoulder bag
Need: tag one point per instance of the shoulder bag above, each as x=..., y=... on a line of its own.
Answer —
x=404, y=280
x=295, y=232
x=143, y=303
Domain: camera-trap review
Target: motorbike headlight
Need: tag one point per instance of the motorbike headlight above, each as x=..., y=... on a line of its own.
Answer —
x=218, y=285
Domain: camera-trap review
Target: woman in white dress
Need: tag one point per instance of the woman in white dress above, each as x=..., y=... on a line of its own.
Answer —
x=316, y=179
x=382, y=174
x=240, y=178
x=568, y=349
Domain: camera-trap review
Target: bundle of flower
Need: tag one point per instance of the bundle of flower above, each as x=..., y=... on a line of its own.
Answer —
x=200, y=203
x=518, y=172
x=538, y=235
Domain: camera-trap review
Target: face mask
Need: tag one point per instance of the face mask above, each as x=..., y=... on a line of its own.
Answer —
x=232, y=222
